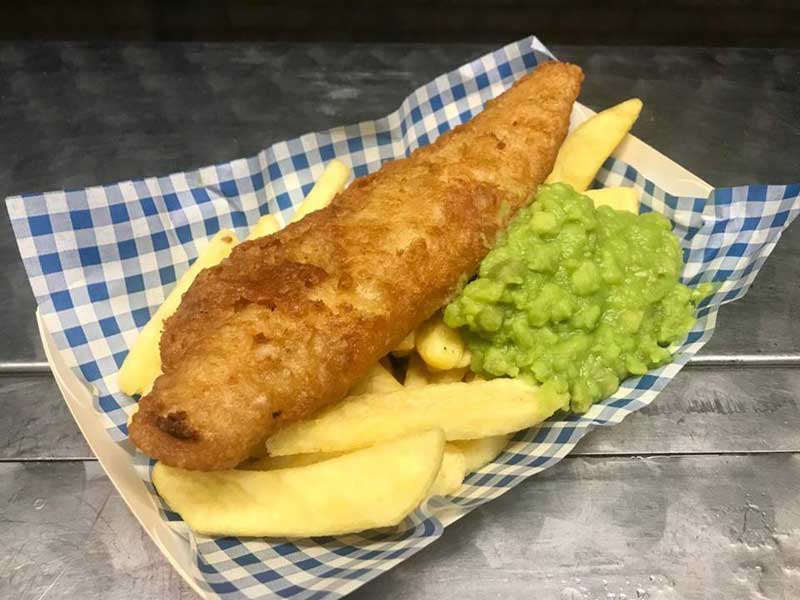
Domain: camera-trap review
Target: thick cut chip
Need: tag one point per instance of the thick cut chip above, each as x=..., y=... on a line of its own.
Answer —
x=266, y=225
x=479, y=453
x=449, y=376
x=405, y=346
x=375, y=487
x=462, y=410
x=451, y=474
x=440, y=346
x=417, y=374
x=619, y=198
x=143, y=364
x=587, y=148
x=330, y=183
x=378, y=381
x=290, y=461
x=448, y=480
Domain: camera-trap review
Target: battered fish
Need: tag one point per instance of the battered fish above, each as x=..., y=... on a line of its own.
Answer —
x=288, y=323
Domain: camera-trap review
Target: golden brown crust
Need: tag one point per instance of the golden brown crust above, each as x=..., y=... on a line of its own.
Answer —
x=288, y=323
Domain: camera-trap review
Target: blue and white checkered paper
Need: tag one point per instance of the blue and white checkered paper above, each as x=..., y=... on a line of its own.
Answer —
x=101, y=260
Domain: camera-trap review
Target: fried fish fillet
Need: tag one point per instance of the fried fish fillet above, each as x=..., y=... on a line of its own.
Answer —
x=288, y=323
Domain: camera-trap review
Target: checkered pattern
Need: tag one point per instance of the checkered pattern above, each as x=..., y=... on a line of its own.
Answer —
x=100, y=260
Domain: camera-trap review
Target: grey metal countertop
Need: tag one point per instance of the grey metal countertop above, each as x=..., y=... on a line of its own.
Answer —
x=695, y=497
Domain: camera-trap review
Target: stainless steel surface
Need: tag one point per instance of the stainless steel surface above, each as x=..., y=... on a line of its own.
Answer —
x=35, y=422
x=711, y=411
x=67, y=534
x=694, y=497
x=690, y=528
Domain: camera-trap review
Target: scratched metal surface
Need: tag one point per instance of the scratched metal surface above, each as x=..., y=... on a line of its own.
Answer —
x=693, y=498
x=669, y=527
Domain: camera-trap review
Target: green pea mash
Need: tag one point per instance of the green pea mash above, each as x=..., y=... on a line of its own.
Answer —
x=577, y=297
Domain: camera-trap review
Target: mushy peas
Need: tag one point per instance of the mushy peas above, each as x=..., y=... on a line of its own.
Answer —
x=577, y=297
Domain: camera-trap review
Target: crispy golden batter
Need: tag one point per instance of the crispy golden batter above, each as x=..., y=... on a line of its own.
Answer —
x=288, y=323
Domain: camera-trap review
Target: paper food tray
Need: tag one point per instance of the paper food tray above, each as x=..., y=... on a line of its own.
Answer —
x=116, y=462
